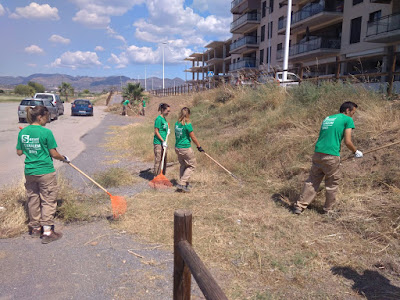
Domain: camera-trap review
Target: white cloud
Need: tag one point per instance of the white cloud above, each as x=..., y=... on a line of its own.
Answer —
x=106, y=67
x=90, y=19
x=33, y=49
x=99, y=48
x=112, y=33
x=2, y=10
x=55, y=38
x=77, y=59
x=32, y=65
x=217, y=7
x=36, y=11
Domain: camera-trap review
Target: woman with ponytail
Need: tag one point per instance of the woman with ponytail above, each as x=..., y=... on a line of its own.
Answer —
x=39, y=146
x=183, y=136
x=160, y=135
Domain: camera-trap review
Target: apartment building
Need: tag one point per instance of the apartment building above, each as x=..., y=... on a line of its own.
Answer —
x=362, y=34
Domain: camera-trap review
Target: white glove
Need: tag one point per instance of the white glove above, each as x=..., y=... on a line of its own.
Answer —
x=358, y=154
x=164, y=144
x=66, y=159
x=169, y=131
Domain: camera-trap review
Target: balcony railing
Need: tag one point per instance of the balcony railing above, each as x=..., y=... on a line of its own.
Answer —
x=245, y=18
x=247, y=40
x=236, y=3
x=315, y=44
x=383, y=25
x=247, y=62
x=309, y=11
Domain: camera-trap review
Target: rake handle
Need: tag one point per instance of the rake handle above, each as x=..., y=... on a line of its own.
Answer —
x=375, y=149
x=87, y=176
x=163, y=155
x=230, y=173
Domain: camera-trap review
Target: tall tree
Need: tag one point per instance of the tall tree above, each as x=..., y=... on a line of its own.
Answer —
x=24, y=90
x=132, y=91
x=65, y=89
x=39, y=88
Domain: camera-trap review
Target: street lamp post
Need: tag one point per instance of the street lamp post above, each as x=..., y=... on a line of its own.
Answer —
x=287, y=39
x=163, y=57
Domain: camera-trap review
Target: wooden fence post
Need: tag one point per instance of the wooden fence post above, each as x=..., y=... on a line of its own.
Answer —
x=182, y=275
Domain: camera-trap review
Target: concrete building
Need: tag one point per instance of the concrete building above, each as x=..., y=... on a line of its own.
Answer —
x=362, y=34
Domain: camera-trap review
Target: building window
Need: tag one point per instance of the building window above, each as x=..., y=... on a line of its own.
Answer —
x=264, y=7
x=375, y=15
x=261, y=56
x=262, y=33
x=279, y=47
x=355, y=30
x=270, y=30
x=357, y=1
x=271, y=6
x=268, y=54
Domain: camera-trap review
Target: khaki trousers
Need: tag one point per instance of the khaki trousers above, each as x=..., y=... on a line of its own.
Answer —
x=187, y=161
x=42, y=198
x=323, y=165
x=124, y=110
x=158, y=152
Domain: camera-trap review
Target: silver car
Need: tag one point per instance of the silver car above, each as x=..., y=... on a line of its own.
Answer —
x=36, y=102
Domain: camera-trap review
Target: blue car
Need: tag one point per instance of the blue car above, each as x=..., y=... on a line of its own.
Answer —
x=81, y=107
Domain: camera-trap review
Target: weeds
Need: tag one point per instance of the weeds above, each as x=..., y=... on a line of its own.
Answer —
x=114, y=177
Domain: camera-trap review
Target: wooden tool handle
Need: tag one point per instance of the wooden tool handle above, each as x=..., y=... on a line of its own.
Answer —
x=87, y=176
x=230, y=173
x=163, y=156
x=373, y=150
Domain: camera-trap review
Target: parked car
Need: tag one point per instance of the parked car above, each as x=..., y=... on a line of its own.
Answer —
x=55, y=99
x=81, y=107
x=36, y=102
x=292, y=79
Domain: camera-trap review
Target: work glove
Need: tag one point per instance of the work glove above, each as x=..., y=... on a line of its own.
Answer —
x=169, y=131
x=200, y=149
x=66, y=159
x=164, y=144
x=358, y=154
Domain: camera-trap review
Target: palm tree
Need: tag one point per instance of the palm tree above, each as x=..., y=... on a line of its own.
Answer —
x=66, y=89
x=132, y=91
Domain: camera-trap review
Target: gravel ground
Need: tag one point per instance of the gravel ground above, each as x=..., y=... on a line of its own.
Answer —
x=91, y=261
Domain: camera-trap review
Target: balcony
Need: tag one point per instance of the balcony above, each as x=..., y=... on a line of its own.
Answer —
x=241, y=6
x=243, y=45
x=245, y=23
x=246, y=63
x=381, y=1
x=384, y=30
x=312, y=15
x=315, y=47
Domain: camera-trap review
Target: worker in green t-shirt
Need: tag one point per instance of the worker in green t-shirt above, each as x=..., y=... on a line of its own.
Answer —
x=125, y=105
x=326, y=159
x=39, y=146
x=161, y=130
x=183, y=136
x=143, y=107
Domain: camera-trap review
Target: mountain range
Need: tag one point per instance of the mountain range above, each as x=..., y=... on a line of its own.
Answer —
x=80, y=83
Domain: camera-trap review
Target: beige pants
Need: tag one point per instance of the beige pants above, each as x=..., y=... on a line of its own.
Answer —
x=187, y=161
x=158, y=152
x=42, y=198
x=323, y=165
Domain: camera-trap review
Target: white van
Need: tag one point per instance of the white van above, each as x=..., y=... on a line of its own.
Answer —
x=55, y=99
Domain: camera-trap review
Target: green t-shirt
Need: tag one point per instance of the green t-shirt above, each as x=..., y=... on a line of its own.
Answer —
x=162, y=126
x=331, y=133
x=144, y=103
x=126, y=102
x=182, y=138
x=35, y=142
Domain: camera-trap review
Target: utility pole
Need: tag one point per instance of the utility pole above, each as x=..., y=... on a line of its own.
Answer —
x=145, y=78
x=287, y=39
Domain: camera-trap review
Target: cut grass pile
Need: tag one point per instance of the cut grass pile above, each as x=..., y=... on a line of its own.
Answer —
x=253, y=245
x=72, y=206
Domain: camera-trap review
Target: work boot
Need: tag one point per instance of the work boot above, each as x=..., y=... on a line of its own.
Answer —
x=297, y=210
x=54, y=236
x=35, y=232
x=182, y=188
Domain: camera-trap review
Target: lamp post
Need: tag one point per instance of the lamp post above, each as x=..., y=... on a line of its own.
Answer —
x=287, y=38
x=163, y=56
x=269, y=40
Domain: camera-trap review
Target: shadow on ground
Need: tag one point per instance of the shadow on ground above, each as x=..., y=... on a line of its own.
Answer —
x=370, y=284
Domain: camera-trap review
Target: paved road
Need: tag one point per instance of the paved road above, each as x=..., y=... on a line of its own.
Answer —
x=67, y=131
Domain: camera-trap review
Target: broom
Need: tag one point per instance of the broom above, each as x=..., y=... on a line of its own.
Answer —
x=160, y=181
x=118, y=203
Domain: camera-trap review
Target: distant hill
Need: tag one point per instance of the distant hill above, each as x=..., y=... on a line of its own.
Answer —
x=80, y=83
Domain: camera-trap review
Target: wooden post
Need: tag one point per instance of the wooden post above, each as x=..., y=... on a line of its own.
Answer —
x=392, y=59
x=337, y=73
x=182, y=276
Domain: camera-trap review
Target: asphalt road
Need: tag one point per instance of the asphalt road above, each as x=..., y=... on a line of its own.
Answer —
x=67, y=131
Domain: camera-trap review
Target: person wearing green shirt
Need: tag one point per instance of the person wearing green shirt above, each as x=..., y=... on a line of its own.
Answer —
x=183, y=136
x=326, y=159
x=39, y=146
x=161, y=130
x=125, y=105
x=143, y=106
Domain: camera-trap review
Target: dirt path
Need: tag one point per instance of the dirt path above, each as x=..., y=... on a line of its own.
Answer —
x=91, y=261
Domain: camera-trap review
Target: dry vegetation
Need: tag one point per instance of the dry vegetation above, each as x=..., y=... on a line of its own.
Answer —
x=255, y=247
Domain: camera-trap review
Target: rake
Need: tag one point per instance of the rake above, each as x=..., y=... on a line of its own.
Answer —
x=373, y=150
x=160, y=181
x=118, y=203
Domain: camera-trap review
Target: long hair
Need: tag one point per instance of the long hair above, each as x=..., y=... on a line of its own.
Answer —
x=184, y=116
x=162, y=107
x=33, y=113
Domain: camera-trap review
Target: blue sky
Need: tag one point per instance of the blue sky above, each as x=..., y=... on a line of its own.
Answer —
x=107, y=37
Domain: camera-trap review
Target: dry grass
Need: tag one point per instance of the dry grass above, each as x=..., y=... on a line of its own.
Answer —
x=256, y=248
x=72, y=206
x=114, y=177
